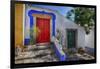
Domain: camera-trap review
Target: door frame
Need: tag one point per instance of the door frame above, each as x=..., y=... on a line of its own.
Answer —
x=31, y=18
x=76, y=37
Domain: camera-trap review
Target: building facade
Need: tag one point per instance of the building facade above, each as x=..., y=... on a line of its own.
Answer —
x=35, y=25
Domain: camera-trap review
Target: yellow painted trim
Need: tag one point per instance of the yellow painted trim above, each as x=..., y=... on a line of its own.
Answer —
x=18, y=24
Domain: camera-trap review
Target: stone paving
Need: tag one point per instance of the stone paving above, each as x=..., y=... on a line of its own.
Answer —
x=36, y=54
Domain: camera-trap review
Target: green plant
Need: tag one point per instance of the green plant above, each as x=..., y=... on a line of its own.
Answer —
x=84, y=17
x=32, y=37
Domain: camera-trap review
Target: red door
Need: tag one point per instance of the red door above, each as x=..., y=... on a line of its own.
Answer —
x=43, y=34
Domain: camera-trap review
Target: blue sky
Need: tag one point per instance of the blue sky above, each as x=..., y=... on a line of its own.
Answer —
x=61, y=9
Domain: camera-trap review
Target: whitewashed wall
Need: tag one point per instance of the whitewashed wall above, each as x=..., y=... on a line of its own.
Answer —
x=89, y=39
x=62, y=23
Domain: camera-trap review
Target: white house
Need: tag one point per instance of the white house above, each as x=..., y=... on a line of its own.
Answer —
x=73, y=36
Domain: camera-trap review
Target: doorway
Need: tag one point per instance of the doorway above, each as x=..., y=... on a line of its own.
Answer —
x=43, y=33
x=71, y=38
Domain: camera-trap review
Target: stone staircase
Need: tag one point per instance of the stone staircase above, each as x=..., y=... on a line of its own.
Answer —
x=36, y=54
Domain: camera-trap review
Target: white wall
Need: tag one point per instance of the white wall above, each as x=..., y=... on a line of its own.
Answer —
x=64, y=24
x=89, y=39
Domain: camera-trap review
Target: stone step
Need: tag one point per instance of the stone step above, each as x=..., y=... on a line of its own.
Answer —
x=36, y=54
x=47, y=58
x=31, y=54
x=34, y=48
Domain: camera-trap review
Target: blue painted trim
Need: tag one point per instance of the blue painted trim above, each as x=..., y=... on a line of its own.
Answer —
x=53, y=25
x=59, y=55
x=32, y=21
x=42, y=12
x=26, y=41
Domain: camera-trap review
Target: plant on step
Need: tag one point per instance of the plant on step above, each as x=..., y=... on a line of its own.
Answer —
x=59, y=36
x=81, y=50
x=71, y=51
x=32, y=38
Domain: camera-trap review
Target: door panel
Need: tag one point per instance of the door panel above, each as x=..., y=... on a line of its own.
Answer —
x=71, y=38
x=43, y=33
